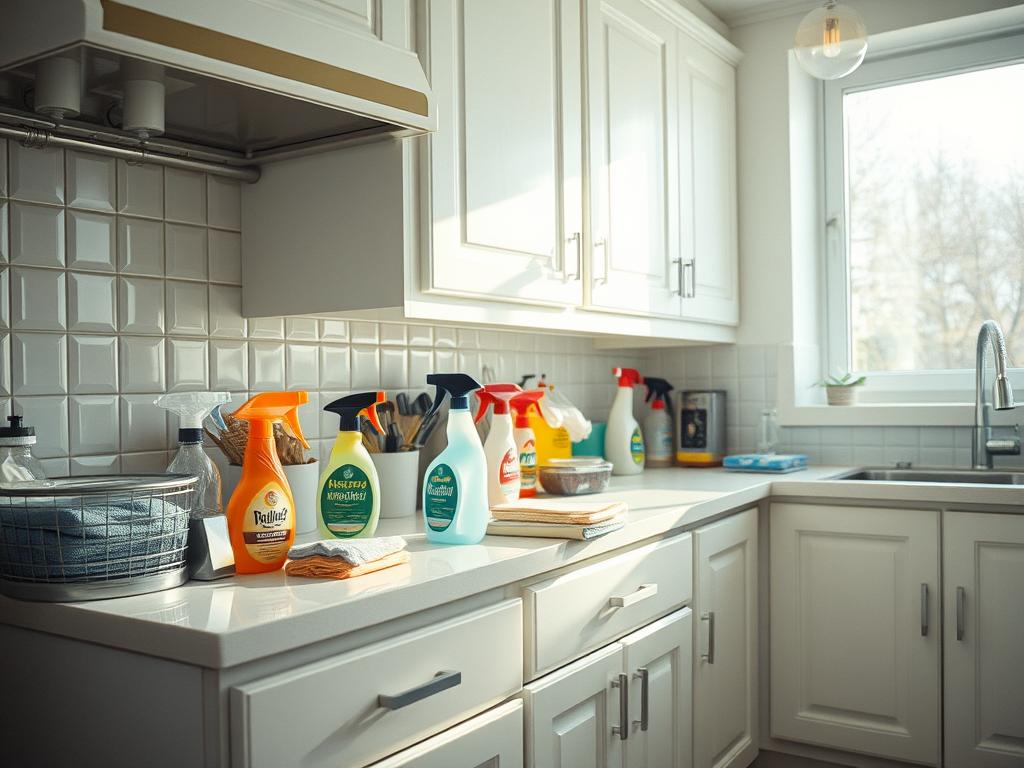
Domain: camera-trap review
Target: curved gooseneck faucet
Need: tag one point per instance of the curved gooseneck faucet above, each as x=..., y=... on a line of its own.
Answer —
x=983, y=447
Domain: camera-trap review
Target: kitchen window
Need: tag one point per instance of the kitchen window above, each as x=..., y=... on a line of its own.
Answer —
x=924, y=202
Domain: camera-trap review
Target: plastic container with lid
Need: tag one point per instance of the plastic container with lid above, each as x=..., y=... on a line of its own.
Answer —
x=18, y=467
x=576, y=476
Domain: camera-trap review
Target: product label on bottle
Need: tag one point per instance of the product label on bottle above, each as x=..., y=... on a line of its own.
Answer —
x=269, y=522
x=346, y=501
x=660, y=443
x=440, y=497
x=636, y=447
x=508, y=472
x=528, y=466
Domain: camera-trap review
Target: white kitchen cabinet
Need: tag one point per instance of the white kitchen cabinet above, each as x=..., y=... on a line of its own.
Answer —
x=983, y=562
x=575, y=715
x=855, y=629
x=707, y=259
x=631, y=84
x=725, y=701
x=493, y=739
x=505, y=166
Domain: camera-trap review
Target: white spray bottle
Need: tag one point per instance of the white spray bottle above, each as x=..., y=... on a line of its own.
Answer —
x=503, y=476
x=209, y=549
x=623, y=440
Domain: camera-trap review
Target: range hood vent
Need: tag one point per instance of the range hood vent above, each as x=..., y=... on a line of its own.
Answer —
x=247, y=80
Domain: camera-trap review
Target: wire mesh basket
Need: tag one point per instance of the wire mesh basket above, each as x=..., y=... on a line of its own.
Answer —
x=86, y=538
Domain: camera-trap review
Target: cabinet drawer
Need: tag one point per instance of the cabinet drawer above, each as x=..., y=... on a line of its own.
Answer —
x=362, y=705
x=585, y=608
x=489, y=740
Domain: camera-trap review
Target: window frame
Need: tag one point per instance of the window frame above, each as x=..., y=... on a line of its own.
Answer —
x=938, y=58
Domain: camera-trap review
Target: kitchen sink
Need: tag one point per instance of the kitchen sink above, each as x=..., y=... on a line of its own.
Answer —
x=981, y=476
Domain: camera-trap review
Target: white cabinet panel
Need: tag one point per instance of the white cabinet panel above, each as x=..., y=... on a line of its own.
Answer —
x=984, y=640
x=707, y=173
x=493, y=739
x=855, y=629
x=570, y=714
x=661, y=651
x=725, y=661
x=506, y=161
x=632, y=73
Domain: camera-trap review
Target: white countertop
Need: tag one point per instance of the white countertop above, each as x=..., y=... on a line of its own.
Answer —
x=232, y=621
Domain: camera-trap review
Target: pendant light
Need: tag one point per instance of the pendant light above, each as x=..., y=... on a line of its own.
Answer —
x=831, y=41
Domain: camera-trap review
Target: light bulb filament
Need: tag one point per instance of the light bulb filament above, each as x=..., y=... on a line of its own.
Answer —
x=831, y=39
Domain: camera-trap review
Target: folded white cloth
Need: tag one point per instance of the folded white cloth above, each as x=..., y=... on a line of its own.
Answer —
x=353, y=551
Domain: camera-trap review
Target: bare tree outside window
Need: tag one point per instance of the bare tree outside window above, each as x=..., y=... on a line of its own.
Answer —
x=935, y=184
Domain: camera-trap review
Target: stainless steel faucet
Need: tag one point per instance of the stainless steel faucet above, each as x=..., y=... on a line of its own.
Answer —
x=983, y=447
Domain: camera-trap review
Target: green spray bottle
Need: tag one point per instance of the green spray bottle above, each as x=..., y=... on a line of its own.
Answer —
x=348, y=499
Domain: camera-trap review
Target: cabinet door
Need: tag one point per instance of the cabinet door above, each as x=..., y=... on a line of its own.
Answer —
x=570, y=714
x=493, y=739
x=855, y=629
x=984, y=640
x=725, y=663
x=659, y=661
x=632, y=105
x=707, y=184
x=506, y=160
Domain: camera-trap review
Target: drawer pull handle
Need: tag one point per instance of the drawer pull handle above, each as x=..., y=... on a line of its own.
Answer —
x=644, y=676
x=924, y=610
x=442, y=681
x=622, y=683
x=961, y=599
x=643, y=592
x=709, y=657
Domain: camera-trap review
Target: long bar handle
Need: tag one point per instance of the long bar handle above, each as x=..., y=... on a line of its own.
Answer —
x=602, y=243
x=692, y=264
x=679, y=276
x=577, y=238
x=961, y=617
x=644, y=697
x=622, y=683
x=643, y=592
x=924, y=610
x=442, y=681
x=709, y=657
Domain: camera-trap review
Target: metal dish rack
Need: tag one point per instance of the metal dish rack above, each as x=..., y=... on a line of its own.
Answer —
x=87, y=538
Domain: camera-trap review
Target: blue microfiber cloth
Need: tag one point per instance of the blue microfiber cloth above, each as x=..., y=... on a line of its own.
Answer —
x=41, y=540
x=775, y=463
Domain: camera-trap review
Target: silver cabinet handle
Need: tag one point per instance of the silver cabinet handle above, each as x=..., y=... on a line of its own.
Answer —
x=961, y=604
x=692, y=266
x=924, y=610
x=679, y=275
x=603, y=245
x=578, y=239
x=709, y=657
x=644, y=697
x=442, y=681
x=622, y=729
x=643, y=592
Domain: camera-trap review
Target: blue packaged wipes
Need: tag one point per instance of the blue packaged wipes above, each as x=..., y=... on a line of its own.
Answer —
x=777, y=463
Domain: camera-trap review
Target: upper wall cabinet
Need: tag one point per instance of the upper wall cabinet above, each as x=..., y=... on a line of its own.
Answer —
x=505, y=176
x=581, y=179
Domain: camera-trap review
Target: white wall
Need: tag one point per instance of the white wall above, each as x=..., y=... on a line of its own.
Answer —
x=766, y=276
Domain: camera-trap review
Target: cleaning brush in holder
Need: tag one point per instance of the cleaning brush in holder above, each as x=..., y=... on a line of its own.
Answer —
x=87, y=538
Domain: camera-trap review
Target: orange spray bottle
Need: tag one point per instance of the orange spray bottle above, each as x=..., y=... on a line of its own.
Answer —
x=261, y=512
x=526, y=440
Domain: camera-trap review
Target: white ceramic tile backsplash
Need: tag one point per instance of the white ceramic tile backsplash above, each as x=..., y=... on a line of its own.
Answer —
x=141, y=295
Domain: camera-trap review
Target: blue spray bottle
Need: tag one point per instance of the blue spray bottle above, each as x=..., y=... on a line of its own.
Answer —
x=455, y=487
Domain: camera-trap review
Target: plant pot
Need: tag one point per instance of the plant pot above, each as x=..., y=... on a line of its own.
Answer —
x=841, y=395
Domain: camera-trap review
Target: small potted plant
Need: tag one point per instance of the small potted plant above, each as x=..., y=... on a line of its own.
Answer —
x=842, y=390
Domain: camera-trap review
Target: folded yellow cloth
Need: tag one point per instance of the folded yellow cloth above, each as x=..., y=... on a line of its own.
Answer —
x=558, y=511
x=320, y=567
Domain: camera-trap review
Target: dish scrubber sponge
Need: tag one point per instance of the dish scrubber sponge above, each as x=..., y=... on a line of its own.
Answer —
x=345, y=559
x=776, y=463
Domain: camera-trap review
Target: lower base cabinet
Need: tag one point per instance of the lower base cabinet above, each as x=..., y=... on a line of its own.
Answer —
x=725, y=699
x=983, y=564
x=627, y=705
x=493, y=739
x=855, y=629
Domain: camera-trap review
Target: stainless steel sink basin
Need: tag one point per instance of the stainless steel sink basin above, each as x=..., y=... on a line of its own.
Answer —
x=982, y=476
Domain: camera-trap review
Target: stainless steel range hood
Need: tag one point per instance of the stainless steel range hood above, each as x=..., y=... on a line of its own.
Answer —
x=248, y=80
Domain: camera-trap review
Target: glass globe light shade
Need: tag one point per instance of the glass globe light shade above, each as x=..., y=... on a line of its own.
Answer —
x=831, y=41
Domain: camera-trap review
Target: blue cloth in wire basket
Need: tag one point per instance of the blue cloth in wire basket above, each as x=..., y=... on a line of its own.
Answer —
x=53, y=539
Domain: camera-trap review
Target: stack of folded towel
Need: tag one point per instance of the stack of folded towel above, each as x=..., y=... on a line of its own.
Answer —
x=345, y=558
x=556, y=518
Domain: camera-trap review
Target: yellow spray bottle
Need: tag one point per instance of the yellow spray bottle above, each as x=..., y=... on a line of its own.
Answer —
x=348, y=499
